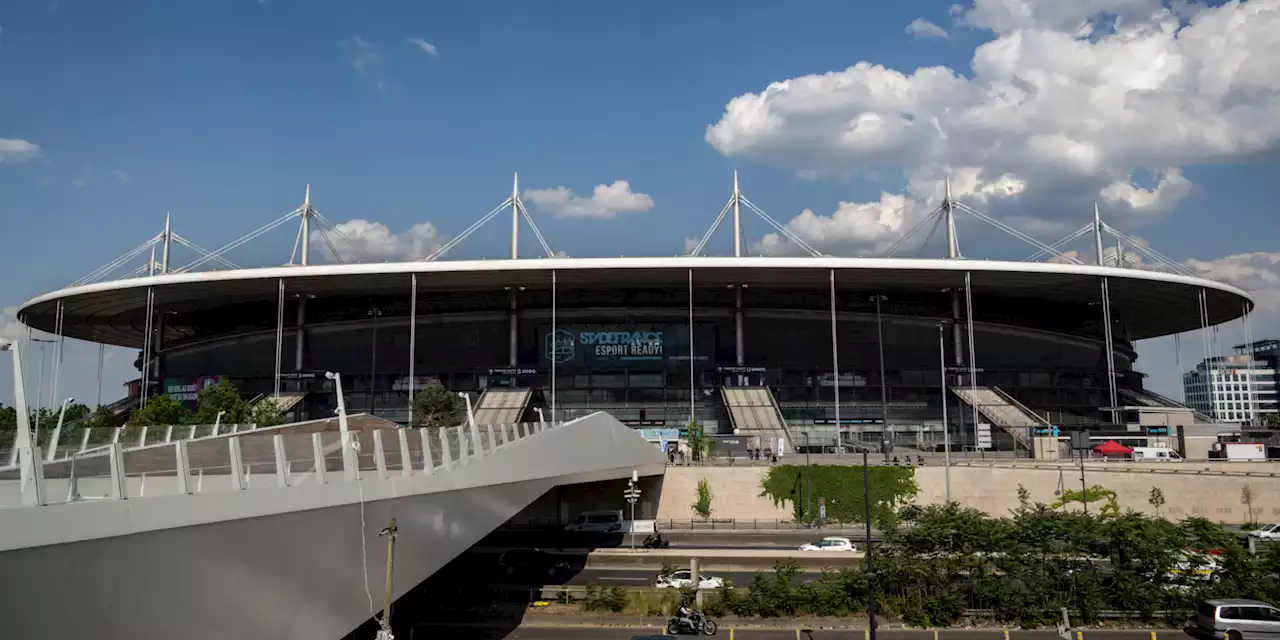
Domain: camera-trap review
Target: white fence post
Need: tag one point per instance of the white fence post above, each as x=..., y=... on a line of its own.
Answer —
x=183, y=466
x=317, y=452
x=237, y=463
x=282, y=461
x=406, y=460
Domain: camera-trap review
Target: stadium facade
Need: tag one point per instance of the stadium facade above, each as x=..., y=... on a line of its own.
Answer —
x=756, y=344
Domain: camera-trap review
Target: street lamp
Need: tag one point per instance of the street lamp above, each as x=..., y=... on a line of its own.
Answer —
x=946, y=425
x=350, y=467
x=632, y=494
x=374, y=313
x=57, y=431
x=866, y=515
x=884, y=382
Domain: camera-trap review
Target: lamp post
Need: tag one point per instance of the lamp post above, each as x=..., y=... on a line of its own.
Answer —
x=632, y=494
x=884, y=382
x=866, y=515
x=374, y=313
x=806, y=447
x=57, y=431
x=946, y=425
x=350, y=465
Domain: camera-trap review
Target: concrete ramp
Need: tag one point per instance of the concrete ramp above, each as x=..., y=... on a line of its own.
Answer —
x=502, y=406
x=288, y=556
x=754, y=412
x=1002, y=411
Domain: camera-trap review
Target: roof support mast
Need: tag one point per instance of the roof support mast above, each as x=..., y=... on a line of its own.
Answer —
x=737, y=218
x=305, y=249
x=168, y=240
x=515, y=216
x=948, y=210
x=1097, y=233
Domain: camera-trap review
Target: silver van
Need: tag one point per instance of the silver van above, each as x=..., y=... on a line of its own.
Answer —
x=1238, y=620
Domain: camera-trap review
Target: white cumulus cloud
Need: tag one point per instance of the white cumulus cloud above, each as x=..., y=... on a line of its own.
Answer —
x=606, y=201
x=426, y=47
x=15, y=150
x=365, y=241
x=1061, y=108
x=1257, y=272
x=921, y=28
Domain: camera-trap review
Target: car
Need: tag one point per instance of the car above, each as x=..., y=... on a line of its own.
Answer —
x=534, y=564
x=608, y=521
x=1237, y=619
x=1266, y=532
x=680, y=579
x=830, y=544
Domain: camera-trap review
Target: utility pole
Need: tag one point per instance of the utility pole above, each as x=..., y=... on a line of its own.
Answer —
x=632, y=494
x=871, y=575
x=384, y=631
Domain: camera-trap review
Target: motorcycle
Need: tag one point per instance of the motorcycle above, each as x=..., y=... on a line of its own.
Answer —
x=697, y=623
x=650, y=542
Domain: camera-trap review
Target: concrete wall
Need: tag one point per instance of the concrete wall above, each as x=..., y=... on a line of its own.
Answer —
x=735, y=493
x=736, y=490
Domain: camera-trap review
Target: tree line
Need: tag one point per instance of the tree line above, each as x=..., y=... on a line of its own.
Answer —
x=939, y=564
x=222, y=398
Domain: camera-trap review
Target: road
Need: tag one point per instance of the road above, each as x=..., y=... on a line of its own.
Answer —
x=644, y=577
x=616, y=633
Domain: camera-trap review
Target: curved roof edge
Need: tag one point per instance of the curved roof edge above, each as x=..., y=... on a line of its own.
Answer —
x=678, y=262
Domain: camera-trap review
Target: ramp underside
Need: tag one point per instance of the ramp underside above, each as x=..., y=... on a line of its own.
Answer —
x=279, y=562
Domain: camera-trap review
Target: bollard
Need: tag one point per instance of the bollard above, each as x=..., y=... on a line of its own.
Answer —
x=1006, y=634
x=1079, y=635
x=935, y=634
x=1153, y=635
x=730, y=633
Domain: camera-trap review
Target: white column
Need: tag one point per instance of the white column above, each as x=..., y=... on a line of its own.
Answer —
x=148, y=325
x=835, y=365
x=279, y=336
x=692, y=382
x=554, y=355
x=515, y=216
x=413, y=338
x=737, y=220
x=973, y=367
x=1109, y=346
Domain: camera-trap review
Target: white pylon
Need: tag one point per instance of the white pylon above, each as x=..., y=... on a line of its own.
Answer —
x=737, y=217
x=306, y=226
x=515, y=215
x=948, y=210
x=168, y=238
x=1097, y=233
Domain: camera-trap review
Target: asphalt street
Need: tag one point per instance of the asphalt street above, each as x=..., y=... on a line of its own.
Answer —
x=617, y=633
x=644, y=577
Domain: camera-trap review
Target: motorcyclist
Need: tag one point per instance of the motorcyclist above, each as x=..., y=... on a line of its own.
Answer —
x=684, y=615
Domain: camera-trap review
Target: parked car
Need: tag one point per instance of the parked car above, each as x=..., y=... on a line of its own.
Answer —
x=1266, y=532
x=1237, y=620
x=830, y=544
x=681, y=579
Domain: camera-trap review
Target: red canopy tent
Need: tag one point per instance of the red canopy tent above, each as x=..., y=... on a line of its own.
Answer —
x=1113, y=449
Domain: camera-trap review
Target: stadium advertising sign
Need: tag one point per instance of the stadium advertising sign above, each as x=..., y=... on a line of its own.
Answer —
x=187, y=391
x=620, y=346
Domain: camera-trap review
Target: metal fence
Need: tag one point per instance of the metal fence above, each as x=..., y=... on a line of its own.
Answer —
x=248, y=459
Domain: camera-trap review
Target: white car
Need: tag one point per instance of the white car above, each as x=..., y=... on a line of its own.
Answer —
x=1266, y=532
x=680, y=579
x=830, y=544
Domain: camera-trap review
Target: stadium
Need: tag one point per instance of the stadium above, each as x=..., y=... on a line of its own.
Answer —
x=799, y=351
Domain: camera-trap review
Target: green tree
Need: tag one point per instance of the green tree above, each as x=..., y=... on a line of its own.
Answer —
x=697, y=441
x=1156, y=499
x=1246, y=499
x=436, y=406
x=160, y=411
x=266, y=413
x=8, y=425
x=702, y=504
x=222, y=398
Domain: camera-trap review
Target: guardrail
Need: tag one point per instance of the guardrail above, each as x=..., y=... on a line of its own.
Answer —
x=715, y=524
x=240, y=461
x=1098, y=465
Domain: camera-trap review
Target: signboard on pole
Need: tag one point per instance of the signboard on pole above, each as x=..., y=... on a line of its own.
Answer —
x=984, y=435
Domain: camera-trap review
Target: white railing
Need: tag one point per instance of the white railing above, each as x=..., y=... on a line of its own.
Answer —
x=248, y=459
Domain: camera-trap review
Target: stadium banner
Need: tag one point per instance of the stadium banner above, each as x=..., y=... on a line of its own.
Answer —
x=621, y=346
x=187, y=390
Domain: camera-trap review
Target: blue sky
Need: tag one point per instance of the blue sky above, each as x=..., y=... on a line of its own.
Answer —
x=220, y=111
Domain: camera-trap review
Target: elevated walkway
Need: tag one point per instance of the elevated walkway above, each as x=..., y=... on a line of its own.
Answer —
x=273, y=533
x=1003, y=411
x=502, y=406
x=754, y=412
